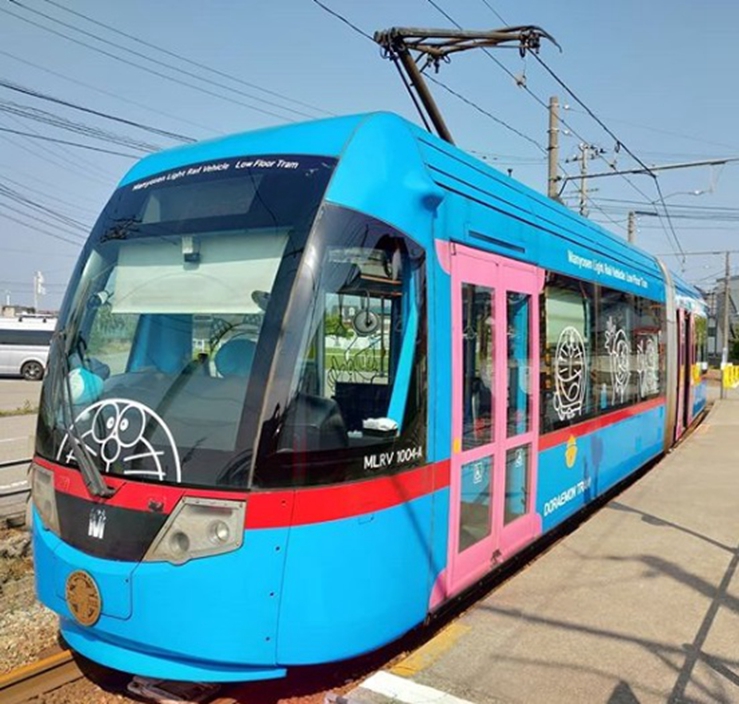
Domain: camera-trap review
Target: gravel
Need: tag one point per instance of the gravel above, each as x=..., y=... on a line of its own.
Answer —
x=82, y=691
x=28, y=628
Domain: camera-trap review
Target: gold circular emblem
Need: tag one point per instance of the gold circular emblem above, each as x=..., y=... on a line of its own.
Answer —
x=83, y=598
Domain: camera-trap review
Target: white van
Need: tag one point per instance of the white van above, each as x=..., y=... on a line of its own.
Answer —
x=24, y=346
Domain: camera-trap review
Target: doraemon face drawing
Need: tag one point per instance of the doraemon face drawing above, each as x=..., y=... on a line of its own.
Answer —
x=116, y=431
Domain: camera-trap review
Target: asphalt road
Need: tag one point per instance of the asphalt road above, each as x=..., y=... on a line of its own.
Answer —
x=14, y=393
x=16, y=437
x=17, y=431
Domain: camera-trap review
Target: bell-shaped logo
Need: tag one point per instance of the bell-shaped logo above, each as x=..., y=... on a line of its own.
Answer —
x=571, y=452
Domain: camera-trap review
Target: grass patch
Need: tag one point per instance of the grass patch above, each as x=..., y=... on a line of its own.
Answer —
x=26, y=410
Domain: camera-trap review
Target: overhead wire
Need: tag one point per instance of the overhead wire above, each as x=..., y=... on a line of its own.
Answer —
x=52, y=160
x=139, y=66
x=458, y=95
x=344, y=20
x=502, y=66
x=157, y=62
x=603, y=126
x=64, y=157
x=54, y=120
x=443, y=85
x=505, y=69
x=13, y=250
x=116, y=96
x=68, y=143
x=32, y=189
x=107, y=116
x=192, y=62
x=38, y=229
x=475, y=106
x=494, y=11
x=658, y=130
x=58, y=229
x=30, y=203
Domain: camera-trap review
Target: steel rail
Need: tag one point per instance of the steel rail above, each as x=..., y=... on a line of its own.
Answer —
x=14, y=499
x=35, y=680
x=11, y=463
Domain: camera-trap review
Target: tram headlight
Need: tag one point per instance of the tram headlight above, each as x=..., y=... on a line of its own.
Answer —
x=44, y=497
x=199, y=528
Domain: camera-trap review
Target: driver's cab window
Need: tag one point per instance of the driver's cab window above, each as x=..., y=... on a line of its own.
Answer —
x=357, y=379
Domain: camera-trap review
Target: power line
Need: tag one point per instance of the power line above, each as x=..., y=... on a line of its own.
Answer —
x=139, y=66
x=97, y=113
x=540, y=101
x=38, y=229
x=57, y=227
x=438, y=82
x=180, y=57
x=64, y=141
x=72, y=162
x=497, y=14
x=344, y=20
x=54, y=120
x=486, y=113
x=48, y=156
x=28, y=202
x=649, y=128
x=26, y=187
x=158, y=62
x=116, y=96
x=619, y=144
x=600, y=122
x=13, y=250
x=502, y=66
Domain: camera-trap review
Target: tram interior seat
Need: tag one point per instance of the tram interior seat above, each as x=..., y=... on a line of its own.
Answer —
x=358, y=402
x=313, y=423
x=235, y=357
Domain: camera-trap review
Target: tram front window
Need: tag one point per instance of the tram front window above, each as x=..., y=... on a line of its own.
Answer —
x=183, y=285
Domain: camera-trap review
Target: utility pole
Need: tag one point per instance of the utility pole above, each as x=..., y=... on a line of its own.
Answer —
x=38, y=289
x=727, y=298
x=584, y=153
x=631, y=227
x=553, y=148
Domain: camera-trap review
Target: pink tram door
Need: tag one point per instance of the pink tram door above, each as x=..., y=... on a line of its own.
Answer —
x=495, y=411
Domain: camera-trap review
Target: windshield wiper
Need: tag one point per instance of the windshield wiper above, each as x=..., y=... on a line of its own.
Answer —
x=91, y=475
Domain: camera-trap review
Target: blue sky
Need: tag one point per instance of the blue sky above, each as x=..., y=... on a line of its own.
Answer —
x=658, y=74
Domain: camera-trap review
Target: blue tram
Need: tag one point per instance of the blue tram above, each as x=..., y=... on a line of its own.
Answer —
x=311, y=382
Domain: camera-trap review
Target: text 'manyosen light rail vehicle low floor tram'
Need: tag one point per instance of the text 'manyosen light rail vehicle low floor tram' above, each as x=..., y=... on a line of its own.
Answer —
x=313, y=381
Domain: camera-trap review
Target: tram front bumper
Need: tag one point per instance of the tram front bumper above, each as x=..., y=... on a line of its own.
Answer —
x=211, y=619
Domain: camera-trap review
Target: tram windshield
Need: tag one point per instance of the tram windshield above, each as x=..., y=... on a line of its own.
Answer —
x=166, y=311
x=227, y=329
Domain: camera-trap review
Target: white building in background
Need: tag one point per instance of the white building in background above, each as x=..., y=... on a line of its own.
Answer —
x=715, y=334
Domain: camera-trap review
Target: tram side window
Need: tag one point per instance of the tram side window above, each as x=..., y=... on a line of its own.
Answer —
x=567, y=334
x=615, y=362
x=648, y=346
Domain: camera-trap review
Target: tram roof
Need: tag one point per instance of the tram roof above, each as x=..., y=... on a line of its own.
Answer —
x=319, y=137
x=446, y=165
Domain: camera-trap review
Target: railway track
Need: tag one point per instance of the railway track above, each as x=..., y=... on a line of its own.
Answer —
x=13, y=494
x=37, y=679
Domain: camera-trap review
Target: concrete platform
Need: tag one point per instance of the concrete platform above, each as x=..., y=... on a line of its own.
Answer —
x=639, y=604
